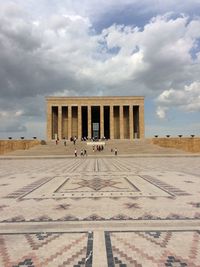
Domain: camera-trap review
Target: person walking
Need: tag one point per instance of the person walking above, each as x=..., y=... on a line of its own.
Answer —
x=75, y=152
x=115, y=151
x=74, y=140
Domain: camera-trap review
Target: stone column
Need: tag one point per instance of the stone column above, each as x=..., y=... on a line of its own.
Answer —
x=79, y=123
x=111, y=123
x=69, y=122
x=89, y=122
x=141, y=121
x=49, y=122
x=131, y=121
x=60, y=122
x=121, y=122
x=102, y=121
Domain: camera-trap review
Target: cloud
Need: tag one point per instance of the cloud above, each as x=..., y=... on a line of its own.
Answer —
x=11, y=126
x=62, y=53
x=6, y=114
x=161, y=112
x=187, y=99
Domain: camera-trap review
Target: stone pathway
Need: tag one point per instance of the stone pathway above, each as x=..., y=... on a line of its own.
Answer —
x=120, y=211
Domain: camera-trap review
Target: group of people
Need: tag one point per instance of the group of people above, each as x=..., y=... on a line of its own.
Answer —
x=98, y=148
x=114, y=150
x=82, y=153
x=73, y=139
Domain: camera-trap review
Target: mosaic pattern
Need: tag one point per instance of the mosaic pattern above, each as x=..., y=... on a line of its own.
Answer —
x=28, y=188
x=153, y=249
x=121, y=188
x=46, y=250
x=97, y=184
x=75, y=193
x=169, y=188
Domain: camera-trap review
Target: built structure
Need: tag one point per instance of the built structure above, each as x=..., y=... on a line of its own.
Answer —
x=110, y=117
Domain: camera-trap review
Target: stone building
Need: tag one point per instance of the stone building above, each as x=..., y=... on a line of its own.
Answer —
x=112, y=117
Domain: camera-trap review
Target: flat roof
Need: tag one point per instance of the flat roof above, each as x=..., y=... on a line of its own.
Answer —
x=94, y=97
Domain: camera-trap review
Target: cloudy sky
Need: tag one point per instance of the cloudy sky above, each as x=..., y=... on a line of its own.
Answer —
x=109, y=47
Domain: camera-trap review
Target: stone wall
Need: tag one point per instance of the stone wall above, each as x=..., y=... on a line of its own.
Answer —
x=189, y=144
x=11, y=145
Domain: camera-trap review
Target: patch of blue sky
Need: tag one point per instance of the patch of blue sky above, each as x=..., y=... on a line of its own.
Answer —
x=125, y=15
x=177, y=121
x=104, y=52
x=195, y=49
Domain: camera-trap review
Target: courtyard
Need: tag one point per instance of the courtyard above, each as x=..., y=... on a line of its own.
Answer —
x=100, y=211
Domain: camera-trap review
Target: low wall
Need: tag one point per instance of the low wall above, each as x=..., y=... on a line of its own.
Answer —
x=11, y=145
x=189, y=144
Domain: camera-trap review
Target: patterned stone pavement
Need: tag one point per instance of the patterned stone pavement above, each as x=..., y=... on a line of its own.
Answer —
x=46, y=249
x=64, y=212
x=153, y=248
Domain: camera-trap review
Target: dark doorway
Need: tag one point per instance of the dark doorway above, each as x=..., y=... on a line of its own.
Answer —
x=64, y=133
x=84, y=122
x=55, y=122
x=95, y=118
x=107, y=122
x=136, y=121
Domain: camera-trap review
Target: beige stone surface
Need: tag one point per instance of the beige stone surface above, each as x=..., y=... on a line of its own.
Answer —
x=134, y=211
x=12, y=145
x=114, y=101
x=189, y=144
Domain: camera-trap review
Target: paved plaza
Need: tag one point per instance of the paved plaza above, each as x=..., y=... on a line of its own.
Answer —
x=99, y=212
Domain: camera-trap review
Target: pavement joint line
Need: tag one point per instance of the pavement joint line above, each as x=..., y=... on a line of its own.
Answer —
x=24, y=227
x=103, y=156
x=99, y=252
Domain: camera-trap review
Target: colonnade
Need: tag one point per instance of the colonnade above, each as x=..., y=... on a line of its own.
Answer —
x=95, y=121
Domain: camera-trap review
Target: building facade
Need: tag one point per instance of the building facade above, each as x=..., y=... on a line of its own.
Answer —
x=112, y=117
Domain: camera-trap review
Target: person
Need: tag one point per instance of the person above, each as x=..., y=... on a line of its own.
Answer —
x=75, y=152
x=65, y=143
x=74, y=140
x=115, y=151
x=85, y=152
x=81, y=152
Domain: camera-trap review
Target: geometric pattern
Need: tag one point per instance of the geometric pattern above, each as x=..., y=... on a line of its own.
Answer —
x=153, y=249
x=96, y=217
x=28, y=188
x=120, y=191
x=46, y=249
x=97, y=183
x=169, y=188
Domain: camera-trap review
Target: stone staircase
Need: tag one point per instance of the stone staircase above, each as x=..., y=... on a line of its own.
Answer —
x=124, y=147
